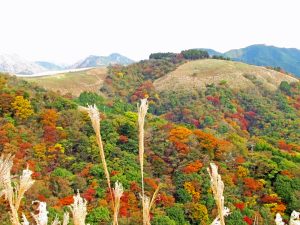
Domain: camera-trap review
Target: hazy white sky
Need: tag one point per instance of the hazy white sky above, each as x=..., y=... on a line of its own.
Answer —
x=67, y=30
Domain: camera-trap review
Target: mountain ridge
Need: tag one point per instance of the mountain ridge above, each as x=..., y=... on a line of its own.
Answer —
x=237, y=75
x=95, y=61
x=287, y=59
x=15, y=64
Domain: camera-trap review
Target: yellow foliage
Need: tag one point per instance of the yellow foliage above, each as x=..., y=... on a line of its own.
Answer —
x=120, y=74
x=198, y=213
x=227, y=179
x=22, y=107
x=242, y=171
x=40, y=150
x=9, y=148
x=190, y=188
x=59, y=148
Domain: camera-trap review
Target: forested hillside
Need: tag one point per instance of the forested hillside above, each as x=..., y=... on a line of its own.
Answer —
x=251, y=134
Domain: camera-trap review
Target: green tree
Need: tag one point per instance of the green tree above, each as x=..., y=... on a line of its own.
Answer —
x=176, y=213
x=285, y=87
x=194, y=54
x=99, y=215
x=162, y=220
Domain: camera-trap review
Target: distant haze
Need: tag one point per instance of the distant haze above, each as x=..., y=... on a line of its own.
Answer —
x=66, y=31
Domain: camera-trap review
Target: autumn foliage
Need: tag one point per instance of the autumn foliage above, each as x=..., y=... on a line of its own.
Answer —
x=193, y=167
x=22, y=107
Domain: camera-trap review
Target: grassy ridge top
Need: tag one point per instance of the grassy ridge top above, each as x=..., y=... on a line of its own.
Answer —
x=73, y=82
x=237, y=75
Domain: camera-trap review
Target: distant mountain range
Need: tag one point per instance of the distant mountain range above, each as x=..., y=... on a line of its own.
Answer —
x=263, y=55
x=50, y=66
x=15, y=64
x=96, y=61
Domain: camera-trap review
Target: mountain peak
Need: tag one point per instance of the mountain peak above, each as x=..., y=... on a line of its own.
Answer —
x=96, y=61
x=13, y=63
x=267, y=55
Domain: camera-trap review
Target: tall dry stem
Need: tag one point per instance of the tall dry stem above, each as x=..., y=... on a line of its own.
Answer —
x=118, y=192
x=41, y=218
x=6, y=164
x=142, y=111
x=148, y=206
x=217, y=187
x=66, y=218
x=95, y=118
x=25, y=221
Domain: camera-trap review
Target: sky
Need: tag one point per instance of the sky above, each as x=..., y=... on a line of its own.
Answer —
x=68, y=30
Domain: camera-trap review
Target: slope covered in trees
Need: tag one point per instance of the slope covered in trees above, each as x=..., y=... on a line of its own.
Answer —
x=253, y=136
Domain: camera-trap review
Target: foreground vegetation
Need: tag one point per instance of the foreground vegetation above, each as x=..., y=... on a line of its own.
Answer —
x=252, y=136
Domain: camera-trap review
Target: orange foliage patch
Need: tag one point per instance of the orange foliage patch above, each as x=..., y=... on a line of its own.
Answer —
x=66, y=200
x=212, y=144
x=252, y=184
x=193, y=167
x=287, y=173
x=166, y=200
x=270, y=199
x=179, y=134
x=239, y=160
x=279, y=208
x=151, y=182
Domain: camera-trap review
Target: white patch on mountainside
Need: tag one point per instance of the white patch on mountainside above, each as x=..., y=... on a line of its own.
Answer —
x=15, y=64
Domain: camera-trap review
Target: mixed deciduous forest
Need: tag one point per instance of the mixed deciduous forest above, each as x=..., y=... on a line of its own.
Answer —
x=253, y=136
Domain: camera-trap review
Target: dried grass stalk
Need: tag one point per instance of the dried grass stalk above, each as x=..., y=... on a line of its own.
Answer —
x=78, y=209
x=295, y=218
x=148, y=206
x=142, y=111
x=95, y=118
x=154, y=197
x=217, y=187
x=25, y=221
x=118, y=192
x=255, y=222
x=15, y=194
x=278, y=219
x=146, y=209
x=6, y=164
x=56, y=221
x=24, y=185
x=42, y=217
x=66, y=218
